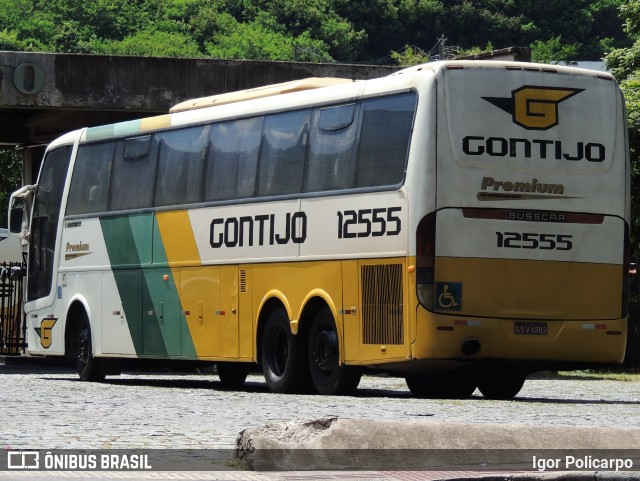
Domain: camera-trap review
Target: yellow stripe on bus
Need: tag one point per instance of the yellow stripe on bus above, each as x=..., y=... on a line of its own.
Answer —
x=177, y=237
x=155, y=123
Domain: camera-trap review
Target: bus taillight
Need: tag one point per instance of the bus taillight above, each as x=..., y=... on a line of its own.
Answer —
x=425, y=261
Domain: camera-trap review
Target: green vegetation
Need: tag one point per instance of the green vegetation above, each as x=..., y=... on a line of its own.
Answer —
x=601, y=375
x=10, y=179
x=625, y=65
x=311, y=30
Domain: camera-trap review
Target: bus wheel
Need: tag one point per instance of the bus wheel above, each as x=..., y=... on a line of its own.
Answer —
x=502, y=385
x=283, y=360
x=89, y=368
x=232, y=374
x=328, y=376
x=449, y=385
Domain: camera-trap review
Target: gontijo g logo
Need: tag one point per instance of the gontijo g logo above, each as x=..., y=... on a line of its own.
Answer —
x=534, y=108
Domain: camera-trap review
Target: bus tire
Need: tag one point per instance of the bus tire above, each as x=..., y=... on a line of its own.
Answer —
x=328, y=376
x=501, y=384
x=448, y=385
x=283, y=359
x=232, y=374
x=89, y=368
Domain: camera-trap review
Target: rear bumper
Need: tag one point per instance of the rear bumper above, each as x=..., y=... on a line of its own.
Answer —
x=592, y=342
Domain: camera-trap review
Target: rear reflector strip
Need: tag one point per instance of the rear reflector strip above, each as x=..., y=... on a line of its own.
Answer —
x=459, y=322
x=594, y=326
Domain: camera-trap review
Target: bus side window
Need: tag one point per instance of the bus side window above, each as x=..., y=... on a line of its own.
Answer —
x=181, y=166
x=332, y=149
x=134, y=173
x=233, y=159
x=384, y=139
x=89, y=190
x=283, y=152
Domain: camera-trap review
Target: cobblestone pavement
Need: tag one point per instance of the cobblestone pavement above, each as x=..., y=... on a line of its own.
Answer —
x=54, y=410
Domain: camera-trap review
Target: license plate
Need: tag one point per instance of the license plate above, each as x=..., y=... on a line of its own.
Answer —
x=531, y=328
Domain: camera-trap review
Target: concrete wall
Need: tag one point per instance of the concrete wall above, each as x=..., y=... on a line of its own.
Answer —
x=144, y=83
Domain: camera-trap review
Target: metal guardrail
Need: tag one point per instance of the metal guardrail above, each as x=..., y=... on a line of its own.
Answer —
x=12, y=322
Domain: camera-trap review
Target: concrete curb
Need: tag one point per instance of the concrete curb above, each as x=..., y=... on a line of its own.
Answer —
x=353, y=444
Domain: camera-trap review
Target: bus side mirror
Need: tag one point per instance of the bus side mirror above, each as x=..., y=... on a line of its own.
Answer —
x=16, y=211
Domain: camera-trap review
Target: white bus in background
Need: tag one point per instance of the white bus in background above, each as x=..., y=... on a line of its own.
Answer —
x=10, y=249
x=461, y=224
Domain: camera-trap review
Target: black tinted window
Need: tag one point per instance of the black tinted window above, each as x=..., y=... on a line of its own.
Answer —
x=333, y=148
x=134, y=175
x=233, y=159
x=283, y=152
x=89, y=190
x=181, y=166
x=384, y=139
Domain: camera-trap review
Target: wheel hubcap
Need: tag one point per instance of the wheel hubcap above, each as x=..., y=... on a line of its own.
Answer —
x=326, y=350
x=280, y=354
x=82, y=347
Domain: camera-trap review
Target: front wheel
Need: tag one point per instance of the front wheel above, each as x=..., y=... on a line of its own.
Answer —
x=328, y=376
x=283, y=361
x=232, y=374
x=89, y=368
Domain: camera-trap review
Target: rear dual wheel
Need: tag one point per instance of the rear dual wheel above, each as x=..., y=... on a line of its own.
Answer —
x=448, y=385
x=503, y=384
x=328, y=375
x=284, y=365
x=303, y=363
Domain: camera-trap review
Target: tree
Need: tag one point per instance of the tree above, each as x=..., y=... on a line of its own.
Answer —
x=10, y=179
x=625, y=65
x=554, y=51
x=256, y=41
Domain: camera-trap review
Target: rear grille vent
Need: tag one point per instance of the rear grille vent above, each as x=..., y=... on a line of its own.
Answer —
x=243, y=280
x=382, y=304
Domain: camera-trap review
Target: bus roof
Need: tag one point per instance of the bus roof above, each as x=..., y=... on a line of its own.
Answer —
x=267, y=97
x=259, y=92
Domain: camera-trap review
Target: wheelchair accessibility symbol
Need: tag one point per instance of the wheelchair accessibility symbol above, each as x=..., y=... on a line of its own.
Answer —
x=449, y=295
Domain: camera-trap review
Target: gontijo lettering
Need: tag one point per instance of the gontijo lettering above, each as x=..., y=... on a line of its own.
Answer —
x=530, y=148
x=264, y=229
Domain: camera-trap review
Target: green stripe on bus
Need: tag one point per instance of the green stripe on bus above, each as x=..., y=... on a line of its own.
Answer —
x=164, y=294
x=148, y=291
x=101, y=132
x=134, y=294
x=107, y=131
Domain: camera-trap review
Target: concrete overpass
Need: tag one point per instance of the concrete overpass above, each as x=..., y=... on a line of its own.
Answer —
x=43, y=95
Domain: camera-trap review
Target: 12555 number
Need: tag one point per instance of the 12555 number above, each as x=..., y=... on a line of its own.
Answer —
x=528, y=240
x=369, y=222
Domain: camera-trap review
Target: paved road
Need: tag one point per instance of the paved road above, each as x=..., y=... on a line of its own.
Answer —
x=53, y=410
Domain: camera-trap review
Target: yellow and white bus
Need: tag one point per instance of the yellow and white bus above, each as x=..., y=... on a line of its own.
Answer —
x=461, y=224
